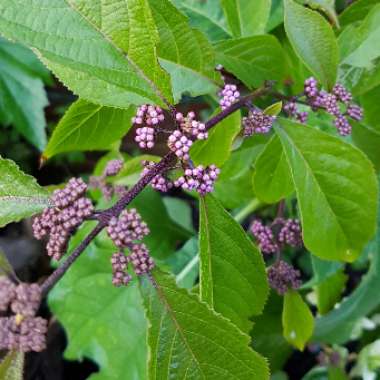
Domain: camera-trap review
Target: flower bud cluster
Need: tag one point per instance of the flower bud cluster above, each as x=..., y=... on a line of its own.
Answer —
x=148, y=117
x=200, y=179
x=271, y=238
x=333, y=103
x=112, y=168
x=71, y=208
x=22, y=331
x=282, y=277
x=191, y=126
x=229, y=95
x=159, y=182
x=291, y=109
x=119, y=264
x=126, y=229
x=257, y=122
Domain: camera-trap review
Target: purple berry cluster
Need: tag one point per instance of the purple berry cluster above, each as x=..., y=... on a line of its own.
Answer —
x=159, y=182
x=281, y=231
x=22, y=331
x=148, y=117
x=265, y=237
x=282, y=277
x=126, y=229
x=140, y=260
x=180, y=144
x=291, y=109
x=192, y=127
x=112, y=168
x=257, y=122
x=200, y=179
x=229, y=95
x=71, y=208
x=333, y=103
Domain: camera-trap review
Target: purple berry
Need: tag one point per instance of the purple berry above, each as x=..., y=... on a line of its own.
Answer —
x=159, y=182
x=343, y=126
x=290, y=108
x=7, y=292
x=290, y=233
x=27, y=299
x=113, y=167
x=140, y=259
x=311, y=87
x=180, y=144
x=265, y=237
x=342, y=94
x=191, y=126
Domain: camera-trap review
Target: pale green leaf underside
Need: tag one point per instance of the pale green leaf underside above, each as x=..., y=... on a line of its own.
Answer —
x=83, y=55
x=336, y=187
x=187, y=340
x=246, y=18
x=272, y=179
x=252, y=59
x=22, y=94
x=232, y=272
x=20, y=195
x=297, y=320
x=103, y=323
x=313, y=40
x=87, y=126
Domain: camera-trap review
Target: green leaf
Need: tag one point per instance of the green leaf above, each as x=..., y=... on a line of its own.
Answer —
x=234, y=185
x=337, y=325
x=233, y=280
x=246, y=18
x=360, y=69
x=325, y=6
x=99, y=49
x=164, y=233
x=12, y=366
x=206, y=16
x=186, y=338
x=20, y=195
x=180, y=212
x=267, y=336
x=356, y=11
x=274, y=109
x=335, y=186
x=252, y=59
x=103, y=323
x=86, y=126
x=184, y=52
x=272, y=180
x=297, y=320
x=313, y=40
x=217, y=148
x=329, y=291
x=22, y=94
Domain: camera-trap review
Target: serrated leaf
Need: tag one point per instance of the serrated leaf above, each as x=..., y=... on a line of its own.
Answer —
x=313, y=40
x=217, y=148
x=12, y=366
x=252, y=59
x=80, y=42
x=233, y=280
x=103, y=323
x=187, y=339
x=297, y=320
x=20, y=194
x=22, y=94
x=246, y=18
x=272, y=180
x=184, y=52
x=206, y=16
x=329, y=291
x=338, y=324
x=86, y=126
x=335, y=186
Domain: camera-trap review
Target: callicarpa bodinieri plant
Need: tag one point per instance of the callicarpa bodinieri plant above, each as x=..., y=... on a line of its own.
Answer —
x=189, y=189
